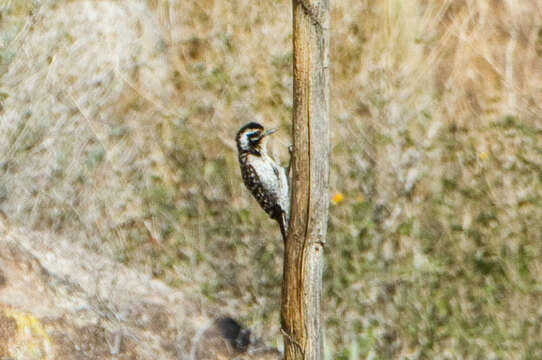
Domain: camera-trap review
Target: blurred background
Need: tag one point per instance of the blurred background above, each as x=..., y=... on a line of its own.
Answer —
x=117, y=135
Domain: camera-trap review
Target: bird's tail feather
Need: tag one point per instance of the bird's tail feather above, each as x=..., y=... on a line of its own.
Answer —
x=283, y=223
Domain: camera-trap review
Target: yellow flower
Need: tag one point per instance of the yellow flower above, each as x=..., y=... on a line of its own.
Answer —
x=483, y=155
x=337, y=198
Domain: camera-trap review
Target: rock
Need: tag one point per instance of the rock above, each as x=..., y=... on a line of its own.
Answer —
x=63, y=301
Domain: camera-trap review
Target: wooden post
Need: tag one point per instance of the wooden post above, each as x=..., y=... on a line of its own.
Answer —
x=303, y=255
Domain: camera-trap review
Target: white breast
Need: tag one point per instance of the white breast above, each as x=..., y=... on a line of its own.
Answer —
x=274, y=180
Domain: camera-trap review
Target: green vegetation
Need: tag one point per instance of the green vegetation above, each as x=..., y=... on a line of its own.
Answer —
x=435, y=230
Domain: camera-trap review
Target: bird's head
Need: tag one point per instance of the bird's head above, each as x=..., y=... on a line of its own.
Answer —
x=252, y=138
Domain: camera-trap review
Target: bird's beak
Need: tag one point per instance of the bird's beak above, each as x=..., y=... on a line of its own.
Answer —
x=270, y=131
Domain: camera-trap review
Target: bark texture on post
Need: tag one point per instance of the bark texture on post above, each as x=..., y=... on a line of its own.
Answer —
x=303, y=256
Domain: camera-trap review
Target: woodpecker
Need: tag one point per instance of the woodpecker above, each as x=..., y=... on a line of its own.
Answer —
x=266, y=180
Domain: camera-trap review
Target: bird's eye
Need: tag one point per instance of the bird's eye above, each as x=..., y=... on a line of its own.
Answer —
x=254, y=136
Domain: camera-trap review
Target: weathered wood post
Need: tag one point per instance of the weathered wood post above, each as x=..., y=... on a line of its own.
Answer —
x=303, y=256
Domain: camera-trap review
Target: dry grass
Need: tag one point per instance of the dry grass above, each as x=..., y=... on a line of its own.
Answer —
x=119, y=120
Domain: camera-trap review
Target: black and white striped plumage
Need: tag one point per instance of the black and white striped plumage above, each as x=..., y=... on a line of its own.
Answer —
x=266, y=180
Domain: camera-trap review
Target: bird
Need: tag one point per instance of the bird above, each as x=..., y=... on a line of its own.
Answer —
x=263, y=176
